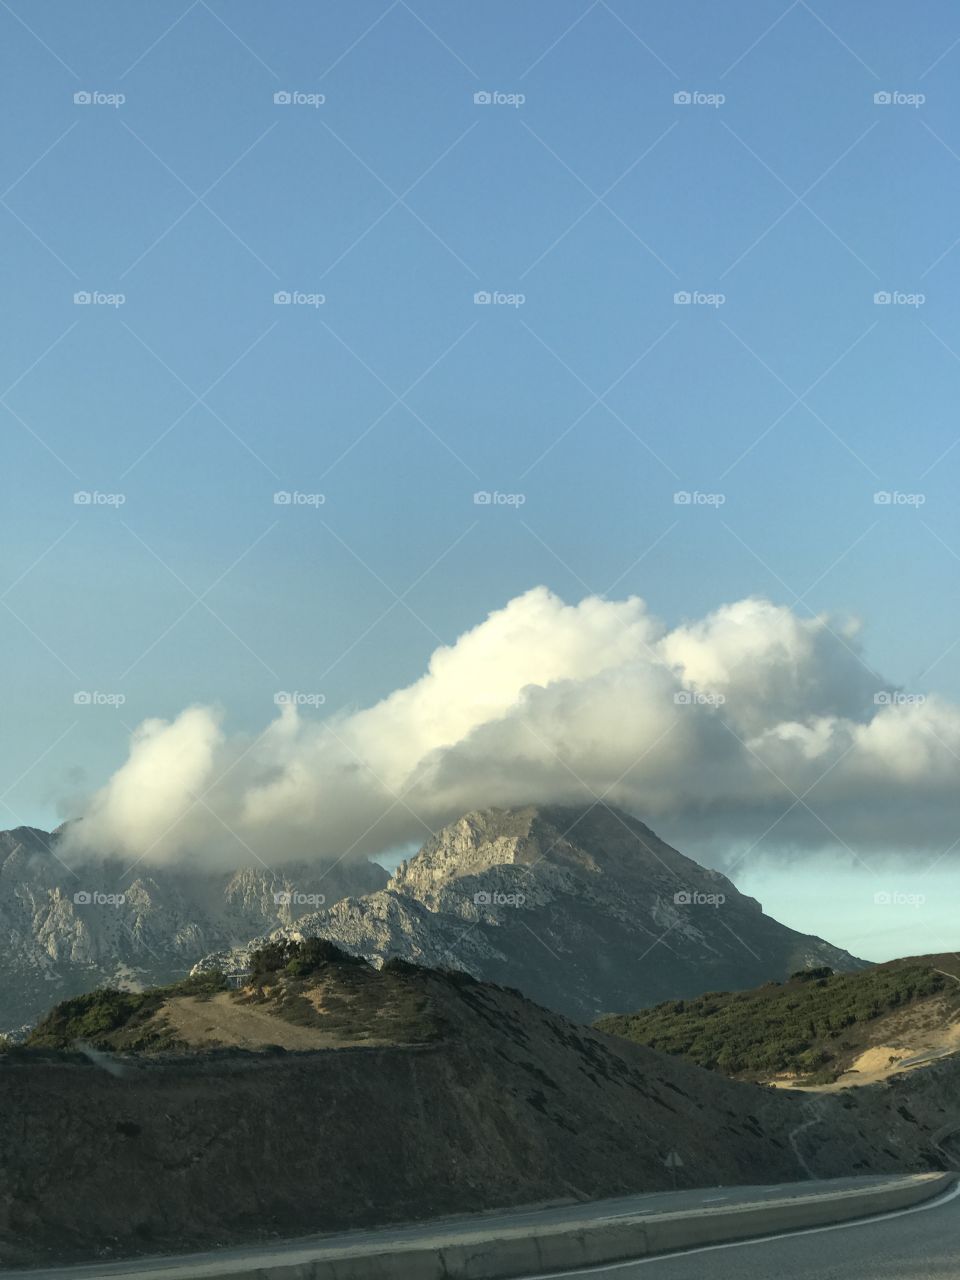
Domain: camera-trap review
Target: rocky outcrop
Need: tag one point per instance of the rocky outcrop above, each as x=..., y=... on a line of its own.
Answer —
x=585, y=910
x=69, y=927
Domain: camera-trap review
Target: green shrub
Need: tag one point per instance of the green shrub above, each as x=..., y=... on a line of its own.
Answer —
x=778, y=1028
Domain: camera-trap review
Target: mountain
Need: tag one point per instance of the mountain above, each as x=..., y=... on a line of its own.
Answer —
x=415, y=1094
x=818, y=1029
x=584, y=909
x=55, y=943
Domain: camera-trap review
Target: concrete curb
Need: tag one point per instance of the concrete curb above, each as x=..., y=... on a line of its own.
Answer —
x=523, y=1251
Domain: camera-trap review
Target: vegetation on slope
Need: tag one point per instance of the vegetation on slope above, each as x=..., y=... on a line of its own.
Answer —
x=315, y=984
x=112, y=1019
x=809, y=1026
x=311, y=983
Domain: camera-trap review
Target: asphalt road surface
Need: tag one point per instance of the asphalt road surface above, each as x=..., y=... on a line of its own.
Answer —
x=721, y=1262
x=922, y=1243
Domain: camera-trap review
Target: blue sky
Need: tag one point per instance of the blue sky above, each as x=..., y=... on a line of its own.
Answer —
x=597, y=198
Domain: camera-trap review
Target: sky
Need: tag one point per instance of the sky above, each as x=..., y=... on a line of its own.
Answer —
x=589, y=259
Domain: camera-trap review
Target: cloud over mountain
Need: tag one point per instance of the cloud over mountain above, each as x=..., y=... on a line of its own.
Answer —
x=751, y=722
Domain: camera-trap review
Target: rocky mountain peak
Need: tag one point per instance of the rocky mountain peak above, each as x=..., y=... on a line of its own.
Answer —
x=583, y=908
x=597, y=841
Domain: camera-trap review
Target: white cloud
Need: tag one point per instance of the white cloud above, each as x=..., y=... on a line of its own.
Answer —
x=545, y=701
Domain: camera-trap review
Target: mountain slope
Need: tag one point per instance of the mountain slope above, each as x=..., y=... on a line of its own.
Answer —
x=817, y=1028
x=584, y=909
x=54, y=946
x=468, y=1097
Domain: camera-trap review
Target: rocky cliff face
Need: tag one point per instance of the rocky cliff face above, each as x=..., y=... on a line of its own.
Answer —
x=68, y=928
x=585, y=910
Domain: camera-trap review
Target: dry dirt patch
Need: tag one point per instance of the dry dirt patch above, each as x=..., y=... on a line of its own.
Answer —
x=224, y=1021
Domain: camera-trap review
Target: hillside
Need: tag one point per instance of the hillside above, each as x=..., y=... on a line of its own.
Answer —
x=148, y=925
x=299, y=996
x=585, y=909
x=443, y=1095
x=817, y=1028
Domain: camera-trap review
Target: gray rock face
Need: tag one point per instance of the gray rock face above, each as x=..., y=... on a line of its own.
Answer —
x=584, y=910
x=63, y=930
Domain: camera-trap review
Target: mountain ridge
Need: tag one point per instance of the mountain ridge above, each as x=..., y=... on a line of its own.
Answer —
x=578, y=906
x=64, y=932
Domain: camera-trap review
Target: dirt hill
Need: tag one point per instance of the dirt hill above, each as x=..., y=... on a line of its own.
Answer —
x=413, y=1093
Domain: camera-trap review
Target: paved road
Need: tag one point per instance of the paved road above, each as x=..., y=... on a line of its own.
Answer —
x=208, y=1265
x=912, y=1244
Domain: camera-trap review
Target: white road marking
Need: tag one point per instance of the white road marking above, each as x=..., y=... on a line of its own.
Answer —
x=742, y=1244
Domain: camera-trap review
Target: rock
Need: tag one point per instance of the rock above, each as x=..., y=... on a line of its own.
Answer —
x=55, y=946
x=584, y=909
